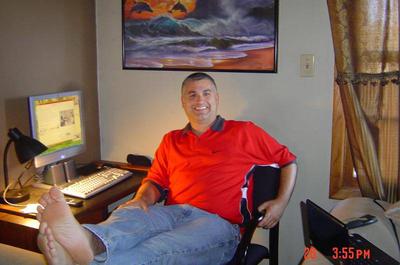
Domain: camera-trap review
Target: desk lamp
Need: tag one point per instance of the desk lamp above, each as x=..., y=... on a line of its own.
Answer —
x=26, y=149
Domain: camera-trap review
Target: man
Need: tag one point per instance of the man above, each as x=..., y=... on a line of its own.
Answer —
x=201, y=170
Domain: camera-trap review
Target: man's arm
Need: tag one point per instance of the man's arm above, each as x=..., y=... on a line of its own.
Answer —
x=146, y=195
x=274, y=208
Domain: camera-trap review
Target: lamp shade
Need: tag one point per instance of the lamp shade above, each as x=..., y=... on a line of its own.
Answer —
x=26, y=147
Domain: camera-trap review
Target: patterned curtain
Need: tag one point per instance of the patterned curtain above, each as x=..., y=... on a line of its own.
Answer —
x=366, y=44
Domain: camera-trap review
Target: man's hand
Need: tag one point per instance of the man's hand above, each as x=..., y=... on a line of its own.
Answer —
x=274, y=209
x=273, y=212
x=146, y=196
x=137, y=203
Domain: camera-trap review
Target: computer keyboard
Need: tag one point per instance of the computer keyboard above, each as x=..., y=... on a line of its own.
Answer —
x=87, y=186
x=366, y=253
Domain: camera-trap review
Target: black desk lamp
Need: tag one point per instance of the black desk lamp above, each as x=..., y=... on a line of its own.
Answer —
x=26, y=149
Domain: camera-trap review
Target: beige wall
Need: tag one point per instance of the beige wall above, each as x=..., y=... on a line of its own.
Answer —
x=46, y=46
x=138, y=107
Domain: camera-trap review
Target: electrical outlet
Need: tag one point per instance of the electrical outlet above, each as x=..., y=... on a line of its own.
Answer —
x=307, y=65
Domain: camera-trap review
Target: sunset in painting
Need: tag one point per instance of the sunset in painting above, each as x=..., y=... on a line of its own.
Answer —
x=147, y=9
x=234, y=35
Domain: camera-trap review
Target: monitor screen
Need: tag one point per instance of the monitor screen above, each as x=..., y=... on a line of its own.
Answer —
x=57, y=121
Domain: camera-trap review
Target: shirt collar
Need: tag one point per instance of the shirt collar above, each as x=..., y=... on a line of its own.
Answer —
x=217, y=125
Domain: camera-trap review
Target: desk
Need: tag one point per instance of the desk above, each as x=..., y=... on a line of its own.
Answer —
x=20, y=230
x=381, y=233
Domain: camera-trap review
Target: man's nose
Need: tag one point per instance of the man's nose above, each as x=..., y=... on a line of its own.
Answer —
x=199, y=97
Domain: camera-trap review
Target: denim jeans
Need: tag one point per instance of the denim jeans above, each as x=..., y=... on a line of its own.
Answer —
x=175, y=234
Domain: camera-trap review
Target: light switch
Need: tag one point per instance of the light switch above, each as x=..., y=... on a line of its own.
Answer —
x=307, y=65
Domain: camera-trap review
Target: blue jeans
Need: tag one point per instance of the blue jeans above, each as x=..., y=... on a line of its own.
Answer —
x=175, y=234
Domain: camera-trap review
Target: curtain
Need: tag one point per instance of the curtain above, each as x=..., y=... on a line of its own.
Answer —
x=365, y=37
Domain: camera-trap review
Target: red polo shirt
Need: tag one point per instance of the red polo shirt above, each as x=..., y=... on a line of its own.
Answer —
x=209, y=171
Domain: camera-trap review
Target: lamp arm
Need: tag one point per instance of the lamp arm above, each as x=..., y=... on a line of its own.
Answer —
x=5, y=168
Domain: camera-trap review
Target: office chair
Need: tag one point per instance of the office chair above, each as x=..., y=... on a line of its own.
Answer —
x=138, y=160
x=265, y=187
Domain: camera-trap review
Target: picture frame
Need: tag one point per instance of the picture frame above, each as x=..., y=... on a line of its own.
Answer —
x=200, y=35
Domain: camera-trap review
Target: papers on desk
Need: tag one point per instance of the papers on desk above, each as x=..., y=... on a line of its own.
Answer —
x=30, y=208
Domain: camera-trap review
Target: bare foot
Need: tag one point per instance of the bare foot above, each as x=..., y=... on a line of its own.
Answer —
x=53, y=252
x=63, y=232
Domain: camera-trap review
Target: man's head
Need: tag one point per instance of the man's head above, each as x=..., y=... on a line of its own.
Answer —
x=200, y=99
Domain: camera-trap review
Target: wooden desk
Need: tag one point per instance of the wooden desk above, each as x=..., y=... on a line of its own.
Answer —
x=20, y=230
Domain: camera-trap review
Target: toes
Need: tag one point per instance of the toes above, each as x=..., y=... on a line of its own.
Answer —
x=44, y=199
x=42, y=228
x=40, y=208
x=50, y=242
x=49, y=234
x=39, y=216
x=53, y=253
x=56, y=194
x=42, y=239
x=51, y=245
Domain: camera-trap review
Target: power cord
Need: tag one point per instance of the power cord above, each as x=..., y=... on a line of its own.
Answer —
x=5, y=197
x=27, y=166
x=30, y=208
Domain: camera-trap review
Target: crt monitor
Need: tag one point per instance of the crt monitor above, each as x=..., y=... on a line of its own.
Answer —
x=57, y=121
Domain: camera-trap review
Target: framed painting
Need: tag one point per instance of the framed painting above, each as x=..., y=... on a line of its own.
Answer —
x=200, y=35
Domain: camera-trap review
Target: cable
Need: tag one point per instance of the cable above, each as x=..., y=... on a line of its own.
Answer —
x=9, y=203
x=27, y=167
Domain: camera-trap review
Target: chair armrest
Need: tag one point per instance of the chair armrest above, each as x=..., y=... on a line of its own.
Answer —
x=256, y=253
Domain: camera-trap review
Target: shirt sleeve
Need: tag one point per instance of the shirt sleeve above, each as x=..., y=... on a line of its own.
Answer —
x=158, y=172
x=271, y=149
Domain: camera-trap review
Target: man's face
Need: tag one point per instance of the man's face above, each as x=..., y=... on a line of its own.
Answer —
x=200, y=101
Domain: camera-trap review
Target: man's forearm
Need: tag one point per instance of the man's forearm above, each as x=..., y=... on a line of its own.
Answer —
x=148, y=192
x=287, y=181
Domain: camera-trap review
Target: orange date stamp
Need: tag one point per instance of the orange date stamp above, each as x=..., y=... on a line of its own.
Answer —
x=339, y=253
x=310, y=253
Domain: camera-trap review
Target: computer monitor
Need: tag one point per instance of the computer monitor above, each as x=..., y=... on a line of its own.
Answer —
x=57, y=121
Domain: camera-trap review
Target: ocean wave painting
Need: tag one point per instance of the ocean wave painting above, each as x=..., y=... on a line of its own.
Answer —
x=215, y=35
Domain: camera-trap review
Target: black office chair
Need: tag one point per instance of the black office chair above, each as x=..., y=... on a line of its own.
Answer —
x=265, y=188
x=266, y=184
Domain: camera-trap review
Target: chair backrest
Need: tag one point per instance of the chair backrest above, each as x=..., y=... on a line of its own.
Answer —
x=265, y=187
x=138, y=160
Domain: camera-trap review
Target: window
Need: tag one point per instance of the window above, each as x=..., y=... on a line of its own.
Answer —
x=383, y=122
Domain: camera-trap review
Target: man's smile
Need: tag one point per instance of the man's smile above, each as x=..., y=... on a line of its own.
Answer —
x=200, y=108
